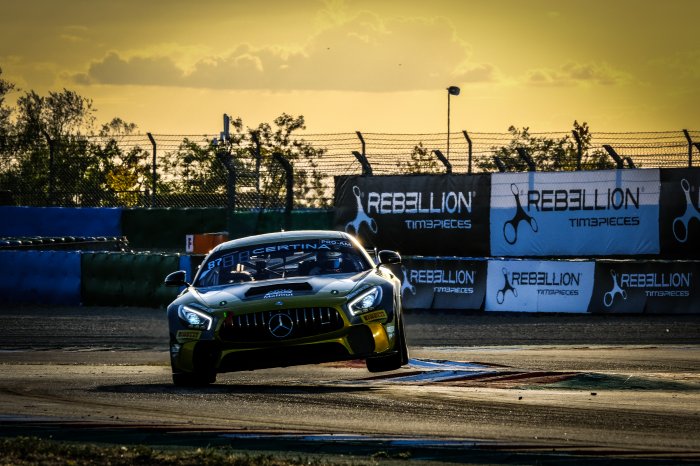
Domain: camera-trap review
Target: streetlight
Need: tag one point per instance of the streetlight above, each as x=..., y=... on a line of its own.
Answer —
x=452, y=90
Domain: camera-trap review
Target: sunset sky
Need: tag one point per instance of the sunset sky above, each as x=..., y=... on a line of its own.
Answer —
x=174, y=67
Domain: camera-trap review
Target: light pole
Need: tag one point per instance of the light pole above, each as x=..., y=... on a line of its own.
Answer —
x=452, y=90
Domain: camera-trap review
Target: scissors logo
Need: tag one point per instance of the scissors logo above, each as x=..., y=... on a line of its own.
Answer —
x=609, y=297
x=680, y=224
x=501, y=294
x=510, y=228
x=405, y=284
x=361, y=216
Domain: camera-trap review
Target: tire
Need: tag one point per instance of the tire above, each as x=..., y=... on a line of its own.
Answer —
x=193, y=379
x=403, y=346
x=395, y=359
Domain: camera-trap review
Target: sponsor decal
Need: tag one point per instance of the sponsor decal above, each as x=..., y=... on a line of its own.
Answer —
x=361, y=218
x=278, y=294
x=442, y=283
x=188, y=335
x=545, y=283
x=406, y=285
x=652, y=284
x=604, y=212
x=374, y=316
x=680, y=224
x=406, y=212
x=510, y=228
x=412, y=203
x=560, y=200
x=539, y=286
x=610, y=296
x=230, y=260
x=501, y=294
x=667, y=287
x=280, y=325
x=458, y=281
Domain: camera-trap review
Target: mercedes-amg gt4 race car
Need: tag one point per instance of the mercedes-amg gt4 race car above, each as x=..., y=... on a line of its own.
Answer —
x=282, y=299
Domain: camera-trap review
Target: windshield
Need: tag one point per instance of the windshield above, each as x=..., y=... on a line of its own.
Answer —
x=315, y=256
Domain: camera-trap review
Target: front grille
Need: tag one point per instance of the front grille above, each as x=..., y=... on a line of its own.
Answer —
x=304, y=322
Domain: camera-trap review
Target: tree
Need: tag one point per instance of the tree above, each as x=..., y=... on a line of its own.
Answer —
x=549, y=154
x=57, y=160
x=5, y=113
x=309, y=187
x=421, y=161
x=121, y=174
x=194, y=167
x=190, y=172
x=50, y=146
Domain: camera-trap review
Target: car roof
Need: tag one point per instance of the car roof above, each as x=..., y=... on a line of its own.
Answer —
x=295, y=235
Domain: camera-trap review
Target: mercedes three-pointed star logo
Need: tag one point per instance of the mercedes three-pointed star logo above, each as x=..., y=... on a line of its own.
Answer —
x=280, y=325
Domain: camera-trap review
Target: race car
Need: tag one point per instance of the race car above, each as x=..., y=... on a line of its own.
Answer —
x=282, y=299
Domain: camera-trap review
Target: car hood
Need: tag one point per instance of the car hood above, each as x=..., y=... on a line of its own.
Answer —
x=331, y=287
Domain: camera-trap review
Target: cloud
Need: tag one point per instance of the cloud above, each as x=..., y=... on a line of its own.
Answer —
x=138, y=70
x=573, y=74
x=363, y=53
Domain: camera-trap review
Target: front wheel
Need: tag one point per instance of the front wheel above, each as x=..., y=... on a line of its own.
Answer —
x=193, y=379
x=203, y=373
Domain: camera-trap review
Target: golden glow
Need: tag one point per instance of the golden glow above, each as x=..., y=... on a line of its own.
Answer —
x=176, y=67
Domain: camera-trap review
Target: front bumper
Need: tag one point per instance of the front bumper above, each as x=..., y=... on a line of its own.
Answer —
x=193, y=351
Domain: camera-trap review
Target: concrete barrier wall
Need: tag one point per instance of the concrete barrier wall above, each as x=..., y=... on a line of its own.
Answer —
x=127, y=279
x=40, y=277
x=468, y=284
x=166, y=228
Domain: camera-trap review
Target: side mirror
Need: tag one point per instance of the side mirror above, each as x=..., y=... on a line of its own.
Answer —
x=176, y=279
x=389, y=257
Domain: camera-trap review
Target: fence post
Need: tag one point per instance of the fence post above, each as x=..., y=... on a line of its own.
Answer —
x=258, y=158
x=525, y=157
x=153, y=177
x=620, y=161
x=52, y=173
x=289, y=204
x=579, y=149
x=469, y=145
x=443, y=159
x=499, y=164
x=227, y=161
x=690, y=147
x=362, y=158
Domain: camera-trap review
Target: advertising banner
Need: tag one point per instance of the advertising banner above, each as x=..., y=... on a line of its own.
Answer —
x=60, y=221
x=608, y=212
x=651, y=287
x=539, y=286
x=419, y=214
x=442, y=283
x=679, y=222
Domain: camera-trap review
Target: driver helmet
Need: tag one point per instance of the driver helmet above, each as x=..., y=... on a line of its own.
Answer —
x=331, y=262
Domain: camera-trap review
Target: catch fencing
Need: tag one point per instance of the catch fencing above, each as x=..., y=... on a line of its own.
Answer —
x=161, y=170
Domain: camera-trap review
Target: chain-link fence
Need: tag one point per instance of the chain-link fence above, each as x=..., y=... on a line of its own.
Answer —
x=159, y=170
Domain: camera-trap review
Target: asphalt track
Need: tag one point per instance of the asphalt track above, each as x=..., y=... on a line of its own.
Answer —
x=481, y=389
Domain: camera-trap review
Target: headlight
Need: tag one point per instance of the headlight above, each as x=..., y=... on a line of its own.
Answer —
x=194, y=318
x=366, y=301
